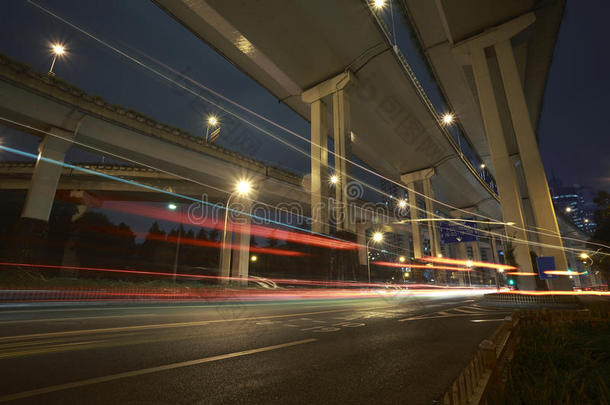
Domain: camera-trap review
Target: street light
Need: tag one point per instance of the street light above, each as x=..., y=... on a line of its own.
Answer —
x=377, y=237
x=243, y=188
x=482, y=166
x=253, y=258
x=211, y=123
x=448, y=119
x=568, y=209
x=334, y=179
x=402, y=204
x=379, y=4
x=402, y=259
x=58, y=51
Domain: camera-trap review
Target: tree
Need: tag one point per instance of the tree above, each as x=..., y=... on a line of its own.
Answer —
x=601, y=260
x=100, y=243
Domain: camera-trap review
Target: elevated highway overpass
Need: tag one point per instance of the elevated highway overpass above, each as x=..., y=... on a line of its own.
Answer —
x=342, y=64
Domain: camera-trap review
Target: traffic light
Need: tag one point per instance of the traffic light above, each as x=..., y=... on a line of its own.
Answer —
x=511, y=281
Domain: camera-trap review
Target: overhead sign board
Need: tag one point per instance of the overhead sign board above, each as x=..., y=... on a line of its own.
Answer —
x=454, y=232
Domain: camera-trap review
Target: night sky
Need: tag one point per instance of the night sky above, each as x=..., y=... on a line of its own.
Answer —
x=574, y=134
x=573, y=131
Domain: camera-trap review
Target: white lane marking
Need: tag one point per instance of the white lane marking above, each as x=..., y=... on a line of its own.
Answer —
x=416, y=318
x=98, y=380
x=486, y=320
x=467, y=310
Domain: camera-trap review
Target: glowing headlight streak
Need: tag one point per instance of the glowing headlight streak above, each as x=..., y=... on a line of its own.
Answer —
x=468, y=262
x=563, y=273
x=520, y=273
x=420, y=266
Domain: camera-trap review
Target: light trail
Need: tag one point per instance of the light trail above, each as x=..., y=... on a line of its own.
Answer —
x=521, y=273
x=420, y=266
x=564, y=273
x=468, y=263
x=352, y=284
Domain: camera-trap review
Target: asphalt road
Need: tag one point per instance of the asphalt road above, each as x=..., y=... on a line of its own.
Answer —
x=391, y=350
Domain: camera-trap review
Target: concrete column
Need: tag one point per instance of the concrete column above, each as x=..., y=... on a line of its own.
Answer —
x=533, y=169
x=494, y=249
x=225, y=251
x=337, y=88
x=435, y=247
x=319, y=168
x=233, y=261
x=462, y=254
x=342, y=134
x=41, y=194
x=504, y=170
x=413, y=215
x=241, y=254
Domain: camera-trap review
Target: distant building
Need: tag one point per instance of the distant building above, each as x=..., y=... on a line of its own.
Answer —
x=570, y=201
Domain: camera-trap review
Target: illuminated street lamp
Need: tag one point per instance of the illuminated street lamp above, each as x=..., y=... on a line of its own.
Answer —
x=211, y=123
x=402, y=259
x=482, y=166
x=568, y=209
x=402, y=204
x=242, y=188
x=253, y=258
x=58, y=51
x=448, y=119
x=334, y=179
x=379, y=4
x=377, y=237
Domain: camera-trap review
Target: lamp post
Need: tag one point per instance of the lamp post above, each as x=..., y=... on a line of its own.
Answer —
x=58, y=51
x=174, y=207
x=498, y=272
x=243, y=188
x=377, y=237
x=212, y=122
x=469, y=265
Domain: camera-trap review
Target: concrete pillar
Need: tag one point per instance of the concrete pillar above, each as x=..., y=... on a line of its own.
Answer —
x=41, y=194
x=31, y=233
x=342, y=135
x=462, y=254
x=319, y=168
x=435, y=247
x=336, y=88
x=414, y=216
x=235, y=247
x=533, y=169
x=494, y=249
x=504, y=171
x=241, y=254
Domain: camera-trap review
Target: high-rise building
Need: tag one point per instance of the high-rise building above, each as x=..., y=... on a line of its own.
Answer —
x=570, y=201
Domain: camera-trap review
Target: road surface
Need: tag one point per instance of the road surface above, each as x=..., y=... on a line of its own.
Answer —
x=377, y=350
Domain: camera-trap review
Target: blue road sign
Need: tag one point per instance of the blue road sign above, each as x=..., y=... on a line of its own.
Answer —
x=452, y=232
x=545, y=263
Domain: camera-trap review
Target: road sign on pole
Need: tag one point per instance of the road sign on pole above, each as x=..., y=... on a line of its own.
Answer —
x=546, y=263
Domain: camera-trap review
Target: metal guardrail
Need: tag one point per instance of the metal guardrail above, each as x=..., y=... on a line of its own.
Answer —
x=531, y=300
x=426, y=100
